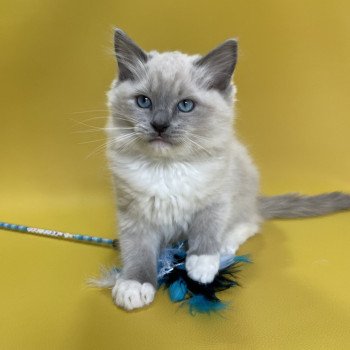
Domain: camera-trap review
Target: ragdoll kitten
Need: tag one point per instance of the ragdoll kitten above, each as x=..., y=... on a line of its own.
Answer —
x=178, y=168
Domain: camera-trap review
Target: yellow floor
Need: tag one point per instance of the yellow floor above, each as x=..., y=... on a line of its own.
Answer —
x=293, y=88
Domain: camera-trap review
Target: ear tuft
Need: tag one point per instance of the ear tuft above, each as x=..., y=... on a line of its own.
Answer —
x=220, y=64
x=129, y=55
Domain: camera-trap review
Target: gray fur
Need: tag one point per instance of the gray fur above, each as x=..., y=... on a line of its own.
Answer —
x=161, y=120
x=294, y=205
x=129, y=55
x=139, y=245
x=196, y=181
x=220, y=64
x=207, y=220
x=107, y=278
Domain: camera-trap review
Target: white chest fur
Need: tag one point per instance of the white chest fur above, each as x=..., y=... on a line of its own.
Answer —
x=167, y=193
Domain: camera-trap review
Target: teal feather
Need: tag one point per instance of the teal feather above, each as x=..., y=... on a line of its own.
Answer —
x=201, y=304
x=178, y=290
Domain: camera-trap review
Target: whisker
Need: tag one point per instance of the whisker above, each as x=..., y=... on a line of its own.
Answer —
x=94, y=118
x=118, y=116
x=83, y=143
x=126, y=118
x=200, y=137
x=89, y=126
x=110, y=143
x=90, y=111
x=198, y=145
x=119, y=128
x=102, y=129
x=128, y=143
x=98, y=149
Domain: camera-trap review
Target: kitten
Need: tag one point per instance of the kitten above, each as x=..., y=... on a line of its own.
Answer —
x=178, y=168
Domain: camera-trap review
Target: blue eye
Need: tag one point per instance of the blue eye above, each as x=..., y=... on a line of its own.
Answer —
x=143, y=101
x=185, y=106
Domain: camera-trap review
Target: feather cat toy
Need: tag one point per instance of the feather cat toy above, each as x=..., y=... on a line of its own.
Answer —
x=179, y=170
x=172, y=275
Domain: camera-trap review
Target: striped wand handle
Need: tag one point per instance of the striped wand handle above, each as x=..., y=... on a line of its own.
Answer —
x=65, y=235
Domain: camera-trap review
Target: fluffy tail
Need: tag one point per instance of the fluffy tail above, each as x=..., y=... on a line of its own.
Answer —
x=107, y=279
x=294, y=205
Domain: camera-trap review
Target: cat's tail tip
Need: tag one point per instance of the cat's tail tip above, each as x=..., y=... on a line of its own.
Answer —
x=295, y=205
x=107, y=279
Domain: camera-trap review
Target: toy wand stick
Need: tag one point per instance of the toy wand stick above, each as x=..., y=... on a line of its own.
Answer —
x=59, y=234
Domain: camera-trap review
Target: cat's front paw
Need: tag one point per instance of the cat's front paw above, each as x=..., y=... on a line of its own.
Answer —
x=130, y=294
x=203, y=268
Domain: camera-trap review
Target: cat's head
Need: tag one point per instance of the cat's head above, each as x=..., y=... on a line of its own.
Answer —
x=171, y=104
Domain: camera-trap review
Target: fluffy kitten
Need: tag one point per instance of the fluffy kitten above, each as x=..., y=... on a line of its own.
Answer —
x=178, y=169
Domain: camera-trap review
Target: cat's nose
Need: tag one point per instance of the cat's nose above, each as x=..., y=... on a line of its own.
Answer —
x=160, y=126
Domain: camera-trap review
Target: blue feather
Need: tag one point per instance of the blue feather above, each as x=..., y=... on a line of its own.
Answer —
x=200, y=304
x=228, y=260
x=178, y=290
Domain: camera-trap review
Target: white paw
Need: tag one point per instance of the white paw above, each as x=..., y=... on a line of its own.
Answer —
x=130, y=294
x=203, y=268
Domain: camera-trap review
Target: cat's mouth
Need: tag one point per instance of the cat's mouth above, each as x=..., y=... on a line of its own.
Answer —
x=160, y=141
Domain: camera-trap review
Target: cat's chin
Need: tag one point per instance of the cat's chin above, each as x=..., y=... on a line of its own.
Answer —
x=160, y=143
x=161, y=147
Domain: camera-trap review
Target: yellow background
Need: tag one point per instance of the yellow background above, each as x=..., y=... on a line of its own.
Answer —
x=293, y=81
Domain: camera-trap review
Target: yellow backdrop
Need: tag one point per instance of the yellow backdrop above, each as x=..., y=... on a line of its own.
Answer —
x=293, y=81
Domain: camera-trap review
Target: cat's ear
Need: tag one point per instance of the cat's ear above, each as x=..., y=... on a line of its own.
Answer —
x=220, y=64
x=130, y=56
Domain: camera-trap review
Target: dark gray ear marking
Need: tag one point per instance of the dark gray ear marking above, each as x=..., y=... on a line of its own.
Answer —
x=220, y=64
x=129, y=55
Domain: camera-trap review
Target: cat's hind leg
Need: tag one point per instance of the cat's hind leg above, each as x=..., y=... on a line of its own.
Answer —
x=237, y=236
